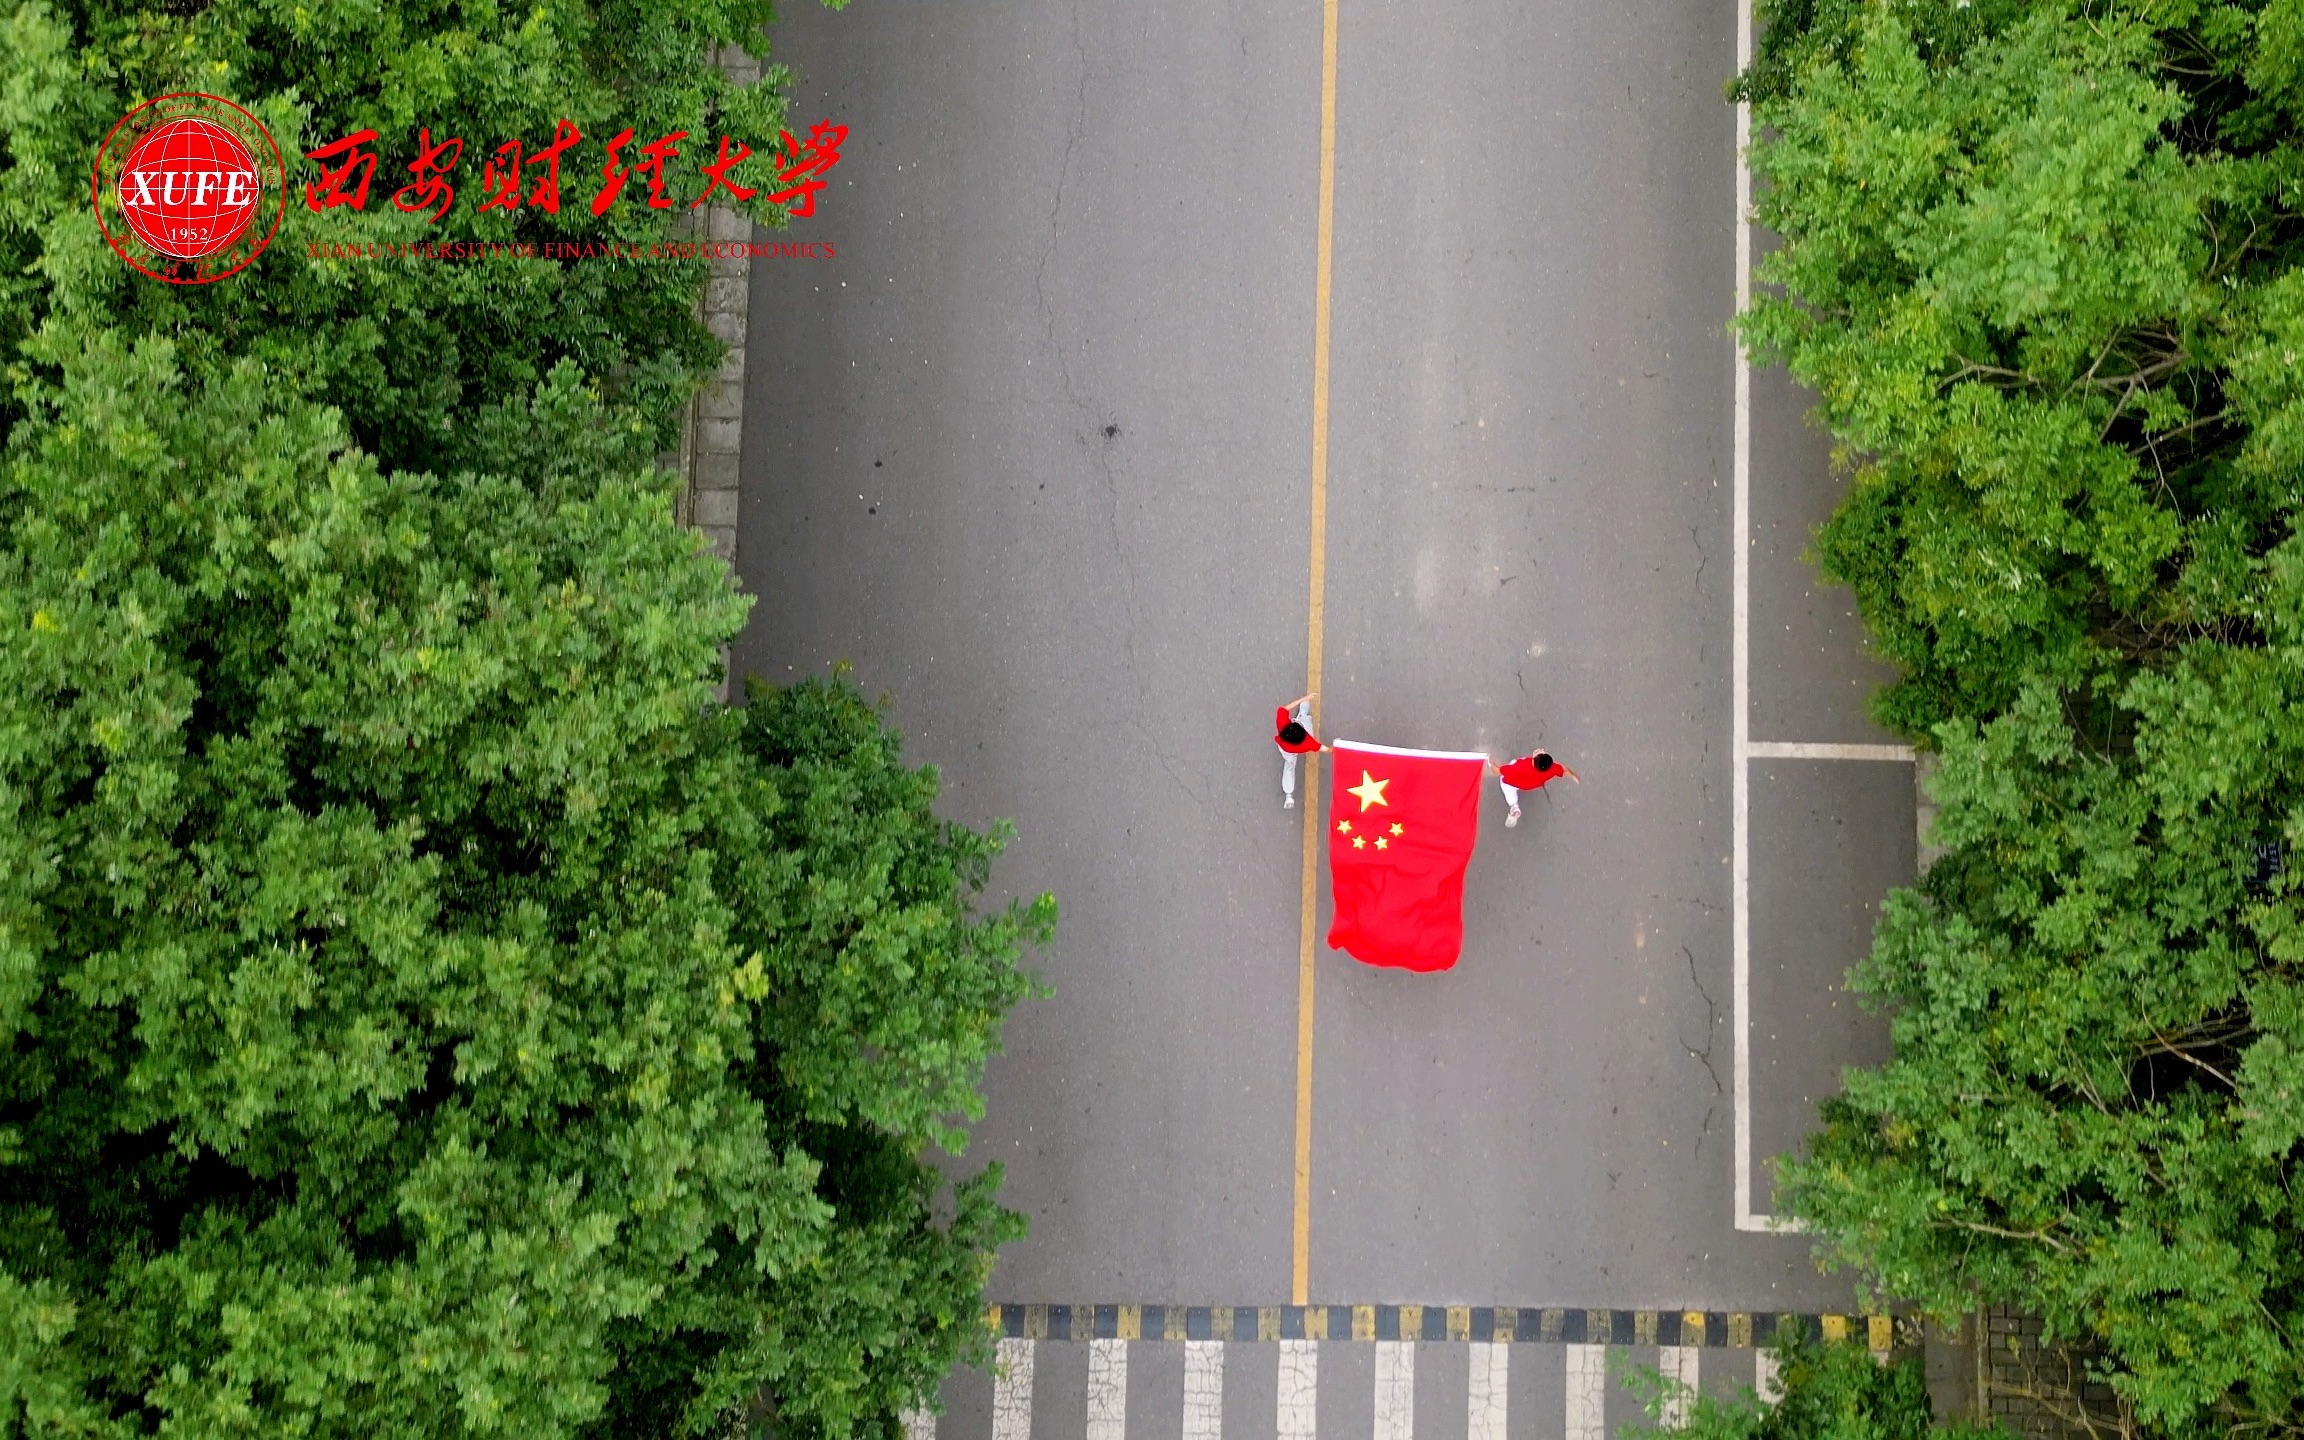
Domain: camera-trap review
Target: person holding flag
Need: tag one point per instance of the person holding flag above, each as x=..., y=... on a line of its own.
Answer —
x=1529, y=772
x=1292, y=732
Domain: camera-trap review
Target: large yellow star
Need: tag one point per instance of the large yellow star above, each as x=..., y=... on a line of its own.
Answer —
x=1370, y=790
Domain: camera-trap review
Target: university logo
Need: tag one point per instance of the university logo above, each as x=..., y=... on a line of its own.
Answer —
x=189, y=188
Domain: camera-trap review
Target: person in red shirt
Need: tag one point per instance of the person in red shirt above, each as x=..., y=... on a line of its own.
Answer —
x=1292, y=732
x=1529, y=772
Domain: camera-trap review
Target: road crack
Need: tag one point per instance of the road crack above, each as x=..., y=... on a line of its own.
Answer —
x=1072, y=134
x=1711, y=1024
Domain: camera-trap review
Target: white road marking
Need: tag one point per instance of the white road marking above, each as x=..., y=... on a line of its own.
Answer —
x=1299, y=1389
x=1677, y=1362
x=1012, y=1392
x=1395, y=1389
x=1203, y=1389
x=1816, y=750
x=1741, y=748
x=1484, y=1405
x=1587, y=1392
x=1740, y=661
x=919, y=1425
x=1107, y=1389
x=1765, y=1380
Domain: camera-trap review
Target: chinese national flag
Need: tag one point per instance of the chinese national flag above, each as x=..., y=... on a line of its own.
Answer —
x=1400, y=831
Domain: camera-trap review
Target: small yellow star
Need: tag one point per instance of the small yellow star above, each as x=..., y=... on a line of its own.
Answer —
x=1360, y=844
x=1399, y=829
x=1380, y=844
x=1370, y=790
x=1343, y=827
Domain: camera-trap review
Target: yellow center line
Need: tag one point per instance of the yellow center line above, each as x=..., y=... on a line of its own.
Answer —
x=1300, y=1284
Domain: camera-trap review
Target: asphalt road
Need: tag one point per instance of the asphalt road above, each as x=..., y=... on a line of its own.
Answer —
x=1034, y=454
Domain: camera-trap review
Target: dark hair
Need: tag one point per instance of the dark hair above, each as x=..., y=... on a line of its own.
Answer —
x=1293, y=733
x=1543, y=759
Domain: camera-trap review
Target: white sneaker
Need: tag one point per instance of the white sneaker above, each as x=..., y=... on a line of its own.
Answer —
x=1511, y=819
x=1291, y=803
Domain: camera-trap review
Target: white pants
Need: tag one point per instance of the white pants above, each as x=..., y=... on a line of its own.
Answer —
x=1302, y=715
x=1511, y=796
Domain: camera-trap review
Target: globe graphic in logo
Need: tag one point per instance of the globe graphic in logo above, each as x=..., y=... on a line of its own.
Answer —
x=189, y=188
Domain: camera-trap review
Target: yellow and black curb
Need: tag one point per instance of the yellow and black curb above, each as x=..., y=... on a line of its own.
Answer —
x=1496, y=1324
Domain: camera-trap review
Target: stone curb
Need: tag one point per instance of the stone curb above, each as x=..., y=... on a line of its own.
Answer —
x=712, y=424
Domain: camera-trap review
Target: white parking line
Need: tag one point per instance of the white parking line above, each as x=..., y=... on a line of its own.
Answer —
x=1299, y=1389
x=1811, y=750
x=1395, y=1389
x=1012, y=1392
x=1740, y=662
x=1484, y=1406
x=1587, y=1392
x=1203, y=1389
x=1107, y=1389
x=1743, y=749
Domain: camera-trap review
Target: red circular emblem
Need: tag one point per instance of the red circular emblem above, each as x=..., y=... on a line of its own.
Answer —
x=181, y=184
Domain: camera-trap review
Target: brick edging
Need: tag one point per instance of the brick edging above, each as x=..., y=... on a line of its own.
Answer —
x=712, y=423
x=2040, y=1390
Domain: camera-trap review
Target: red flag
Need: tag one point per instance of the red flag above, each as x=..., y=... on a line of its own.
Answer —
x=1401, y=825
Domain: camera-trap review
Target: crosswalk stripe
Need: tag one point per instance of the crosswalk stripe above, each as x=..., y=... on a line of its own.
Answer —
x=1012, y=1392
x=1491, y=1383
x=1299, y=1389
x=1107, y=1390
x=1203, y=1389
x=1681, y=1363
x=1488, y=1383
x=1587, y=1392
x=1395, y=1390
x=1765, y=1380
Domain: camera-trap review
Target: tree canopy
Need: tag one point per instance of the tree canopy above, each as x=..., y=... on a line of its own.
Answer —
x=432, y=1010
x=428, y=1009
x=2040, y=266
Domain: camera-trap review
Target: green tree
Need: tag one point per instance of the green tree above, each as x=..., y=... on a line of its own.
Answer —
x=430, y=1010
x=2039, y=269
x=2040, y=266
x=2098, y=1085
